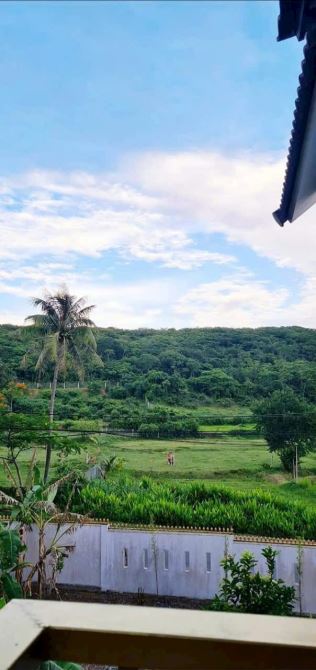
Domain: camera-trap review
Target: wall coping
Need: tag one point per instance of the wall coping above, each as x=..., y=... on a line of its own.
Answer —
x=257, y=539
x=170, y=529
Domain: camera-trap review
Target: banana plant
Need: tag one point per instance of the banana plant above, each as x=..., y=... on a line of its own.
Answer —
x=59, y=665
x=11, y=549
x=37, y=507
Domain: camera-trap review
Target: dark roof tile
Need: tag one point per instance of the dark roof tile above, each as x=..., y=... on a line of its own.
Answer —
x=303, y=101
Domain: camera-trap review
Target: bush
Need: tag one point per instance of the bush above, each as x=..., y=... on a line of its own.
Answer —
x=95, y=387
x=244, y=590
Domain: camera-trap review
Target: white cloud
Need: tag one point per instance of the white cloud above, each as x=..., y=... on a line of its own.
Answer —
x=234, y=195
x=247, y=303
x=126, y=304
x=52, y=213
x=151, y=210
x=233, y=301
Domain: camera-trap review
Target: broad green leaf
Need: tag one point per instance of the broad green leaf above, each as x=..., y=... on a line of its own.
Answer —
x=69, y=666
x=59, y=665
x=37, y=475
x=10, y=548
x=11, y=587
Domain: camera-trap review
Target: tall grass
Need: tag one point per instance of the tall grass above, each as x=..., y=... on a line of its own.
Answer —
x=146, y=501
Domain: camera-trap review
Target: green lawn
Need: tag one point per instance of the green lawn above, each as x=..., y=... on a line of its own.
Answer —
x=241, y=462
x=226, y=427
x=199, y=459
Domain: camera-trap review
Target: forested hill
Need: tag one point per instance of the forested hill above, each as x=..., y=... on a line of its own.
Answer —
x=183, y=365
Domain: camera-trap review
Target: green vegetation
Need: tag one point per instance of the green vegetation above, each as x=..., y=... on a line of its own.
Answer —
x=244, y=590
x=181, y=367
x=59, y=665
x=165, y=389
x=61, y=332
x=144, y=501
x=227, y=428
x=237, y=461
x=288, y=423
x=11, y=549
x=35, y=505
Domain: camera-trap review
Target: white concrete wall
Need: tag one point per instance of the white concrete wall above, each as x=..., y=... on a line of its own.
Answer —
x=83, y=566
x=177, y=578
x=100, y=554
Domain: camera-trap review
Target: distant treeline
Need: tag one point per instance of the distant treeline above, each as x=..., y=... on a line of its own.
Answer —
x=188, y=367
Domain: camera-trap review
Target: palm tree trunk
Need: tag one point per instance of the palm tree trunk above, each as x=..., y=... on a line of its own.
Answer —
x=51, y=416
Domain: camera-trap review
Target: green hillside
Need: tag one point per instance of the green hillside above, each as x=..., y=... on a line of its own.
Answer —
x=188, y=367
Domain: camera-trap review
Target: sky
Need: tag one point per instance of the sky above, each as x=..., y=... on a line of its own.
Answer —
x=143, y=150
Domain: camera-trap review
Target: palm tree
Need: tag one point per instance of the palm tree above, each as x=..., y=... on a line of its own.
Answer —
x=66, y=330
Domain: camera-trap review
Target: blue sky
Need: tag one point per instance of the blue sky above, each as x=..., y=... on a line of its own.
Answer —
x=143, y=147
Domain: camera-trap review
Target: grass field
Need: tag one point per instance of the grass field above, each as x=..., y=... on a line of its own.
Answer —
x=241, y=462
x=226, y=428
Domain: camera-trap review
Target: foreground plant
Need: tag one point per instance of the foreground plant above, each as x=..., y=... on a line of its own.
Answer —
x=11, y=550
x=245, y=590
x=59, y=665
x=37, y=508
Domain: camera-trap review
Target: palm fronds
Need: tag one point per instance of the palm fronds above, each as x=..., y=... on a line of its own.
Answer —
x=66, y=327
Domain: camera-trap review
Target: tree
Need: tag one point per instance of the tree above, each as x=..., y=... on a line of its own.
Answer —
x=288, y=423
x=216, y=383
x=20, y=434
x=245, y=590
x=13, y=391
x=66, y=330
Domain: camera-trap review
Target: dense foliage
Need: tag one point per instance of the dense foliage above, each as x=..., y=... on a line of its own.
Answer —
x=244, y=590
x=288, y=423
x=144, y=501
x=182, y=366
x=152, y=422
x=11, y=549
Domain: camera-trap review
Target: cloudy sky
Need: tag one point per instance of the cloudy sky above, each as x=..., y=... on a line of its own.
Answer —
x=143, y=148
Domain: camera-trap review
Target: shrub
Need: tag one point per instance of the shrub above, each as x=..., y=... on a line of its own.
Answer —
x=244, y=590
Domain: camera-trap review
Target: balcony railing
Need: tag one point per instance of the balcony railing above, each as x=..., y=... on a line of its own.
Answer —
x=142, y=637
